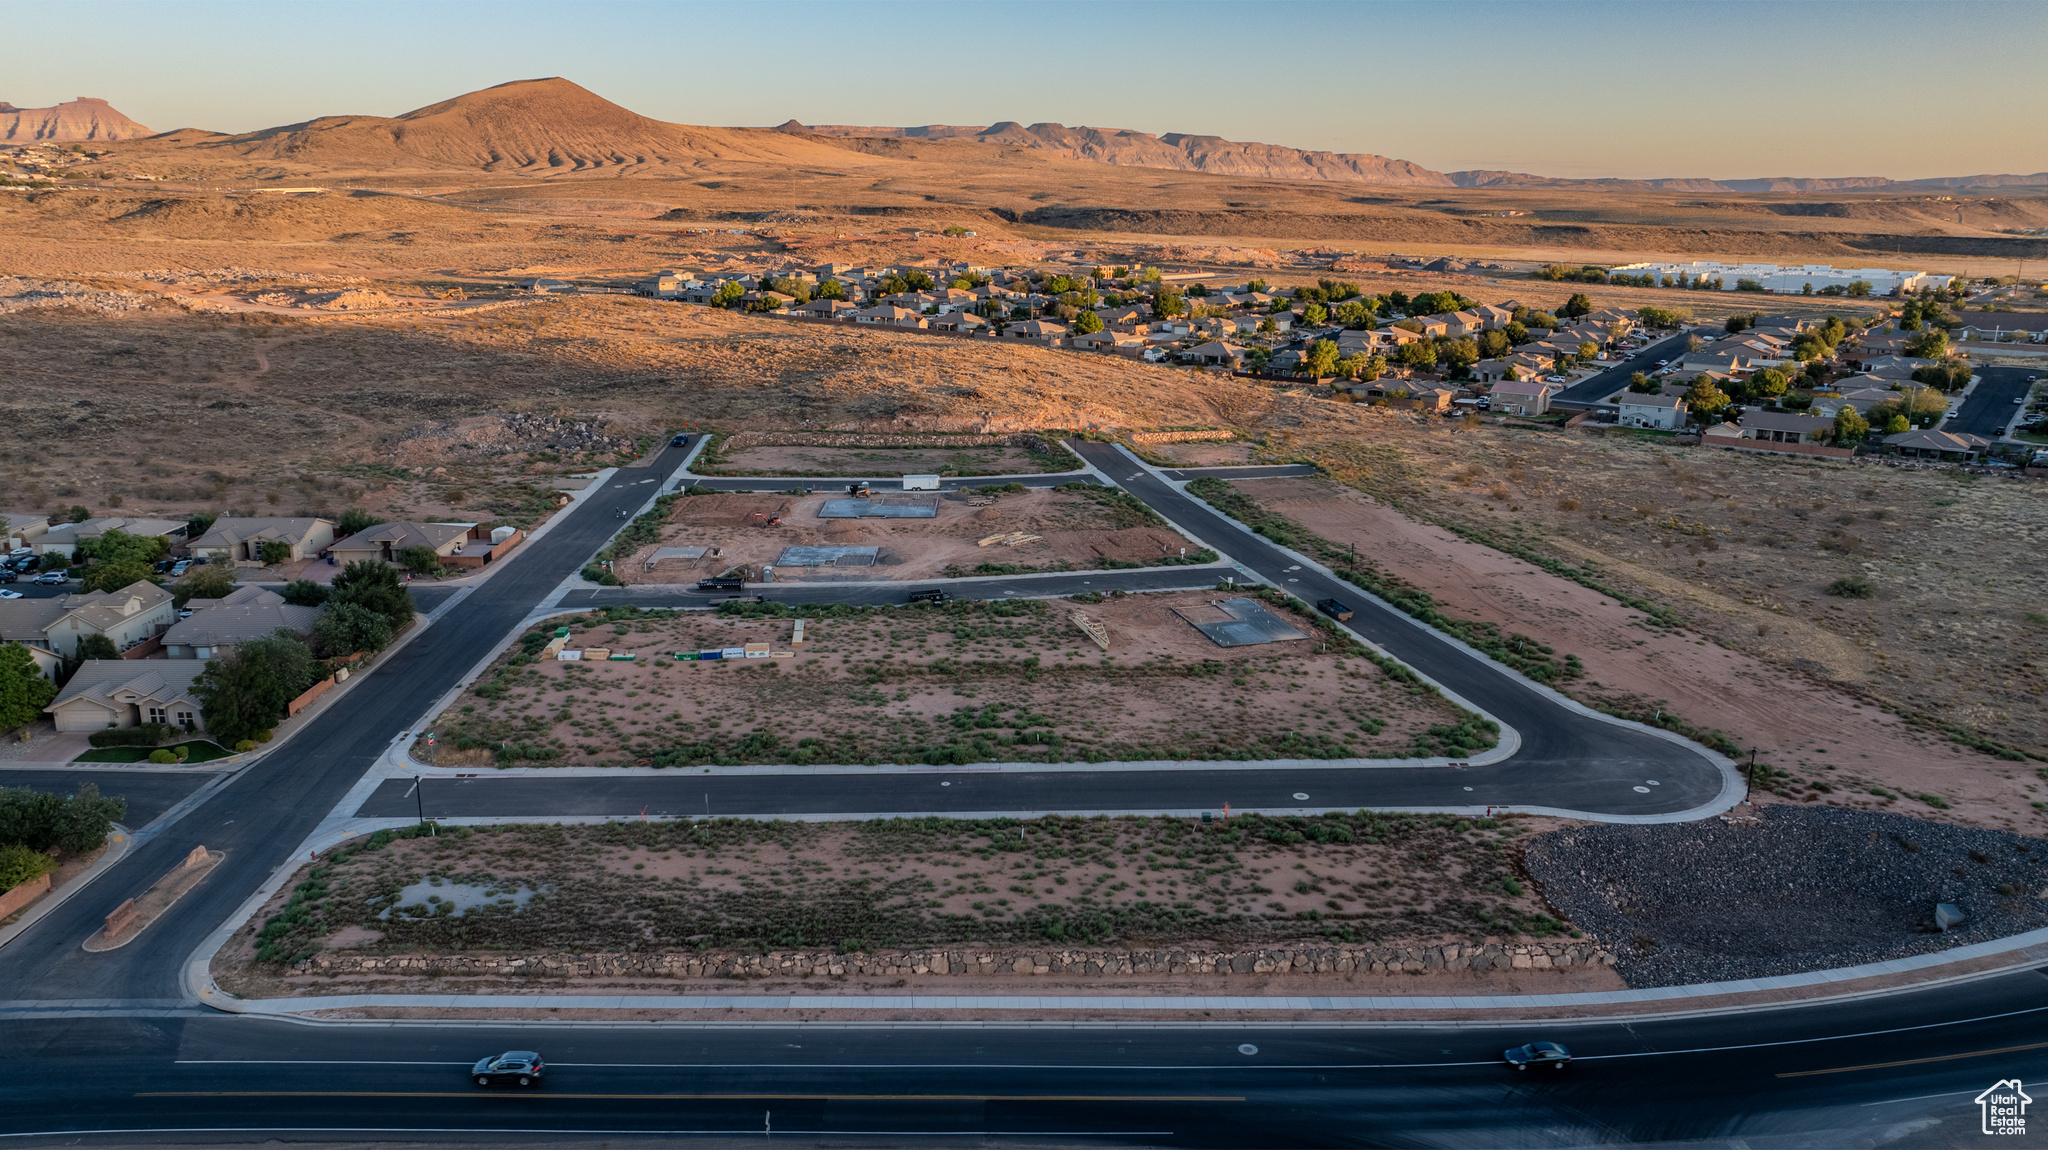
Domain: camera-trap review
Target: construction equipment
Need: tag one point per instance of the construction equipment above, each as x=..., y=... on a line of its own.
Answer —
x=764, y=519
x=859, y=490
x=1009, y=539
x=1092, y=628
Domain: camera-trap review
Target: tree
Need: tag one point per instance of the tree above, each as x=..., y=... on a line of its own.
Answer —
x=1517, y=331
x=353, y=520
x=1849, y=426
x=420, y=559
x=1703, y=399
x=1315, y=315
x=376, y=586
x=119, y=546
x=1458, y=354
x=1352, y=314
x=1580, y=304
x=728, y=294
x=1896, y=425
x=304, y=593
x=1589, y=351
x=198, y=525
x=1638, y=382
x=207, y=582
x=94, y=647
x=1929, y=345
x=1493, y=344
x=39, y=820
x=919, y=280
x=273, y=552
x=347, y=628
x=1362, y=367
x=79, y=513
x=1770, y=382
x=116, y=575
x=1859, y=289
x=1087, y=323
x=1321, y=359
x=1542, y=319
x=1420, y=354
x=831, y=289
x=1168, y=301
x=246, y=691
x=1257, y=358
x=23, y=692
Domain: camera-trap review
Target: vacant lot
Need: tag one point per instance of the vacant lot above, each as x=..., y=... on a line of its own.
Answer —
x=738, y=884
x=966, y=682
x=1076, y=529
x=879, y=461
x=1859, y=696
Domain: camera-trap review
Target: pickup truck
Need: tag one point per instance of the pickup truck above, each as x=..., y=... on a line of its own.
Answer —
x=1334, y=609
x=932, y=596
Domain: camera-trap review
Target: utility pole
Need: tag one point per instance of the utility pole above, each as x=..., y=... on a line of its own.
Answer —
x=1749, y=779
x=419, y=799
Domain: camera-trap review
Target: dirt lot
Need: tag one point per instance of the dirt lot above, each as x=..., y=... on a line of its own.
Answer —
x=1076, y=533
x=880, y=461
x=1764, y=655
x=1202, y=454
x=1005, y=681
x=735, y=884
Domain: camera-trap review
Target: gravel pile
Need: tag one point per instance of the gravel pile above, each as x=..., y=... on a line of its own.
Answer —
x=1796, y=889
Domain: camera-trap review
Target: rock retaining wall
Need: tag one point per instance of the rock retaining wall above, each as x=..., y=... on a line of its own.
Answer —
x=809, y=964
x=1180, y=436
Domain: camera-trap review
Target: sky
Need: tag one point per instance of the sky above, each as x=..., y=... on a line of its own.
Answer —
x=1639, y=89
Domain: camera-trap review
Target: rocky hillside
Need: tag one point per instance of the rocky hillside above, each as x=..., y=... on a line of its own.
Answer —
x=86, y=118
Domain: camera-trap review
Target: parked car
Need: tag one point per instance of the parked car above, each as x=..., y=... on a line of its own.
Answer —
x=679, y=441
x=931, y=596
x=523, y=1067
x=1538, y=1054
x=7, y=575
x=1663, y=363
x=19, y=553
x=10, y=594
x=179, y=568
x=52, y=578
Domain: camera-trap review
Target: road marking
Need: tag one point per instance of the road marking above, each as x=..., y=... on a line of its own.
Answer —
x=696, y=1097
x=1915, y=1061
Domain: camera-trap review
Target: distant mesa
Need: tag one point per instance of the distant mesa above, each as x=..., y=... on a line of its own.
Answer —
x=86, y=118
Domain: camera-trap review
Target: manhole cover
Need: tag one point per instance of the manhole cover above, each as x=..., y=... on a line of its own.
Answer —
x=1299, y=797
x=1247, y=1049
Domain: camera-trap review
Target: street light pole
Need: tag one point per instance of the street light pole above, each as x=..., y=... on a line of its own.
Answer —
x=419, y=799
x=1749, y=779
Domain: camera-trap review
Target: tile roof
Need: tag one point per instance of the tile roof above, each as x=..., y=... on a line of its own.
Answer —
x=163, y=680
x=228, y=531
x=223, y=625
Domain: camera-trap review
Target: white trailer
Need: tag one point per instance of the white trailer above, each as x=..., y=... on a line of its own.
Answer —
x=920, y=483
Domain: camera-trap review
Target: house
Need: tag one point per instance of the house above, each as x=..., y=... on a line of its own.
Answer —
x=64, y=538
x=240, y=540
x=128, y=617
x=1432, y=399
x=1493, y=318
x=1115, y=342
x=105, y=693
x=1862, y=399
x=961, y=322
x=1374, y=342
x=1663, y=412
x=385, y=542
x=1785, y=427
x=887, y=316
x=2005, y=327
x=1035, y=329
x=248, y=613
x=1948, y=445
x=18, y=527
x=1425, y=325
x=1523, y=397
x=1721, y=434
x=1216, y=352
x=825, y=309
x=1895, y=367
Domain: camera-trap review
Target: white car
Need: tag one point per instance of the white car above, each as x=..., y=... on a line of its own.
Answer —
x=9, y=593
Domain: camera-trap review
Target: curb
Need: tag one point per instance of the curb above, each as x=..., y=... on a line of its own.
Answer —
x=118, y=844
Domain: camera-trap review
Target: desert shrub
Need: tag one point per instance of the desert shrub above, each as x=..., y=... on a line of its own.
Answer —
x=20, y=864
x=1853, y=587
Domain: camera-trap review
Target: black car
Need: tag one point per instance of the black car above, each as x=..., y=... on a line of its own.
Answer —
x=7, y=575
x=679, y=441
x=1538, y=1054
x=514, y=1067
x=932, y=596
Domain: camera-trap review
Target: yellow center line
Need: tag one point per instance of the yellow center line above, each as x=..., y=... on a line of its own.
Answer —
x=1914, y=1061
x=697, y=1097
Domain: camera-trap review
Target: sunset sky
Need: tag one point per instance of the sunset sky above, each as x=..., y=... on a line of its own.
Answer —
x=1640, y=89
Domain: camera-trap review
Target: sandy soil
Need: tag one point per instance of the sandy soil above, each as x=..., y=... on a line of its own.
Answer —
x=1202, y=454
x=1177, y=695
x=1798, y=723
x=1076, y=533
x=882, y=461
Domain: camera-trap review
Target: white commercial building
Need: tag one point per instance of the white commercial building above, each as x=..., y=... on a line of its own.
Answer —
x=1791, y=279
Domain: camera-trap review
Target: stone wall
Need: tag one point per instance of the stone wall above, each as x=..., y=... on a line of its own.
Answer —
x=1490, y=955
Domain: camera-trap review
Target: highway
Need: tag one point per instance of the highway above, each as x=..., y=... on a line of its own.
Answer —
x=1989, y=407
x=1897, y=1070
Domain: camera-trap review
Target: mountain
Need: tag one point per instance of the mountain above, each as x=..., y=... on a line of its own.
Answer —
x=1191, y=153
x=86, y=118
x=1273, y=161
x=533, y=126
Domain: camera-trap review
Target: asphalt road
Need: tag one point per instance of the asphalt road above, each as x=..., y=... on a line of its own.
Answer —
x=269, y=808
x=149, y=793
x=1595, y=389
x=1989, y=407
x=1899, y=1070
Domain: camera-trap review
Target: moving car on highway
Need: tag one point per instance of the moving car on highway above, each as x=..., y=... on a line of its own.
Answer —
x=522, y=1067
x=1538, y=1054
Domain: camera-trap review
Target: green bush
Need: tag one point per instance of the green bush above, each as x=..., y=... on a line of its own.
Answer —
x=246, y=745
x=19, y=864
x=1853, y=587
x=162, y=755
x=39, y=821
x=263, y=736
x=144, y=735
